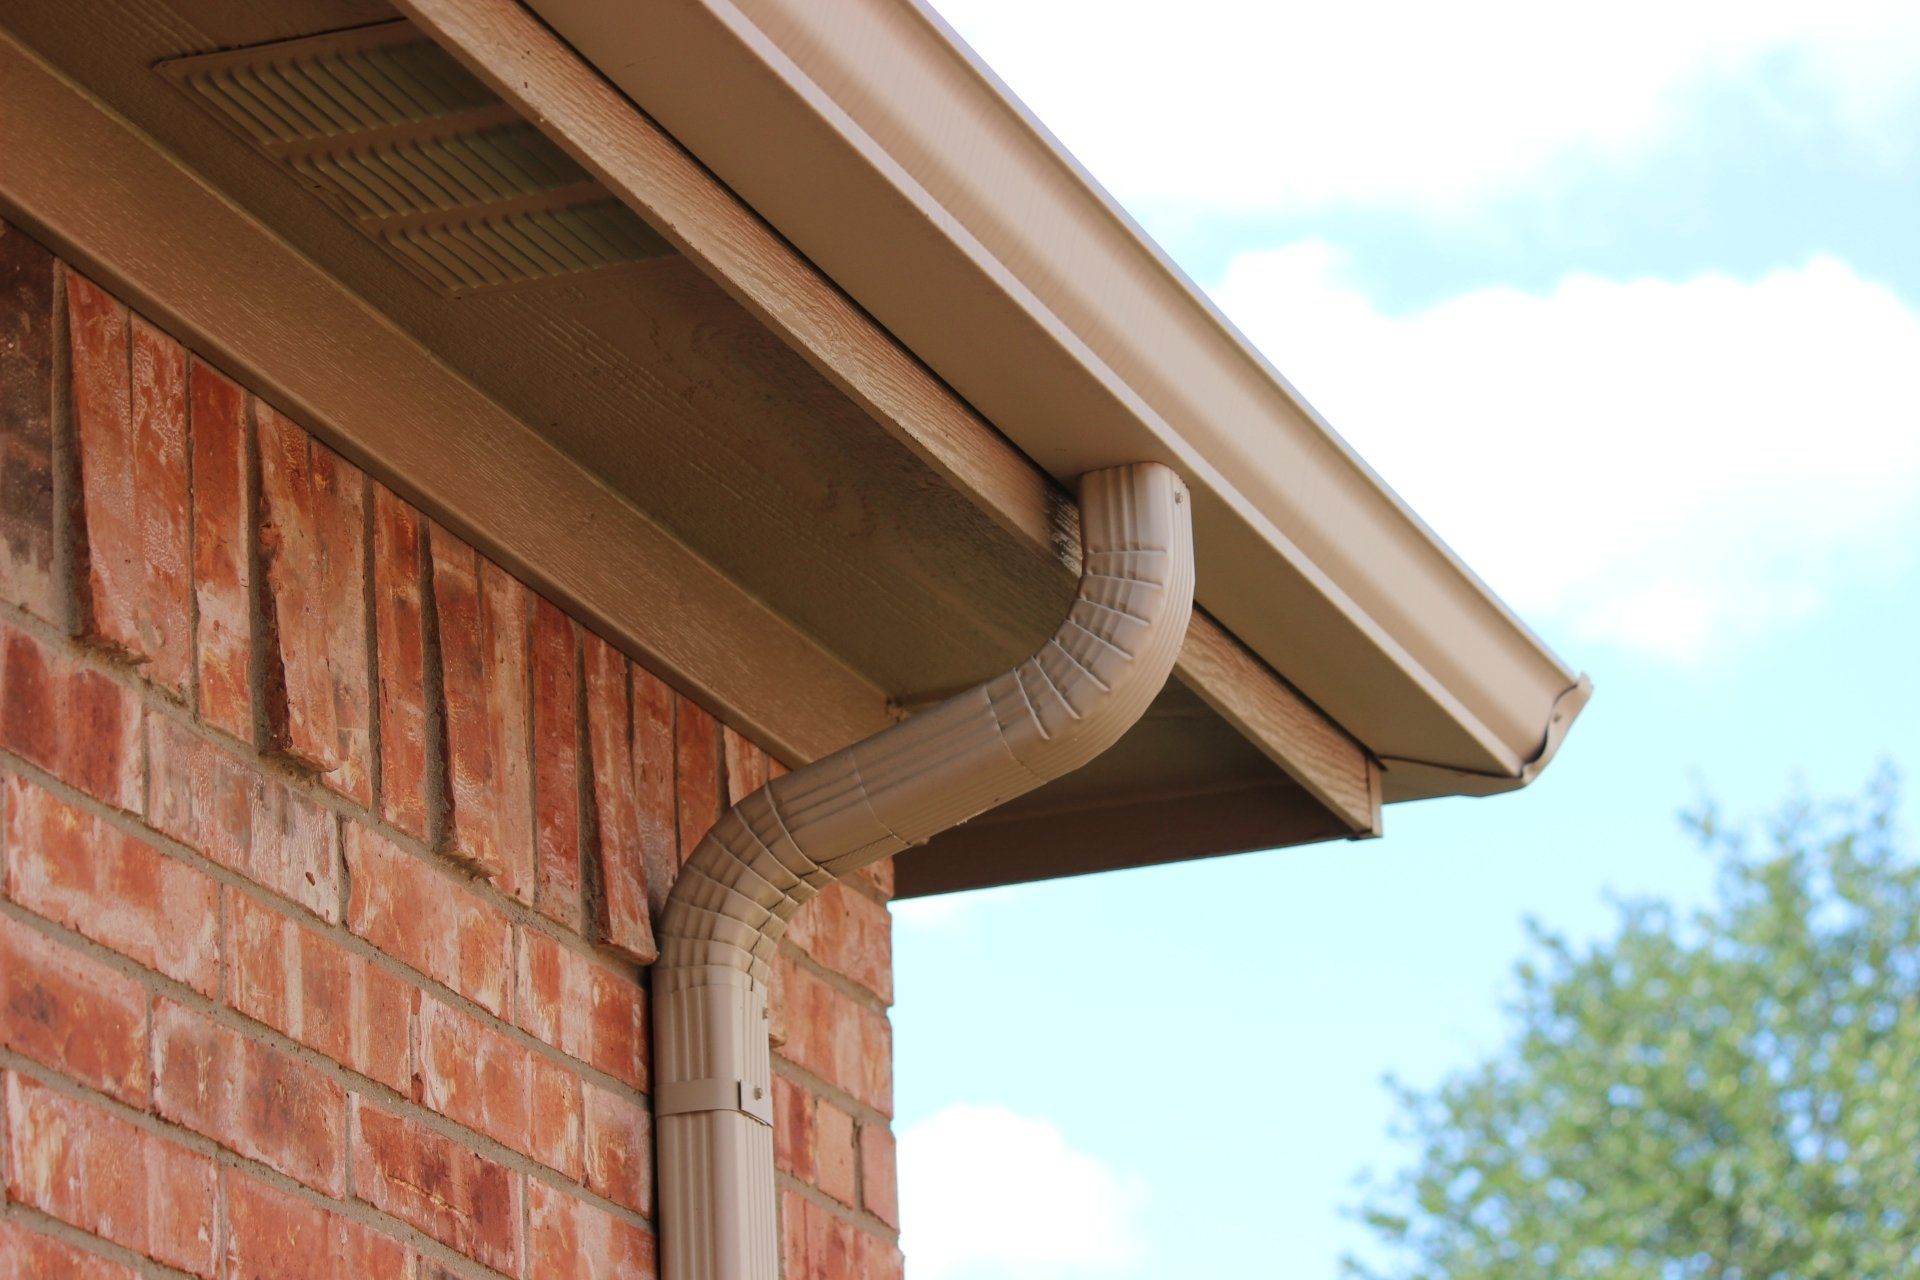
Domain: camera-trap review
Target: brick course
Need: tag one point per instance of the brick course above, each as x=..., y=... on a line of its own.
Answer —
x=331, y=857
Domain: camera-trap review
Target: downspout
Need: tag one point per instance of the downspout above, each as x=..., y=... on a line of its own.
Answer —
x=775, y=849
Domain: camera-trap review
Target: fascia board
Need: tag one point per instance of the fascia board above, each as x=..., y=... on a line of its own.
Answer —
x=869, y=137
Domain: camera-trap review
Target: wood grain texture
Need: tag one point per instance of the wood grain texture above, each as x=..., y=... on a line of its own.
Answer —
x=105, y=197
x=1288, y=729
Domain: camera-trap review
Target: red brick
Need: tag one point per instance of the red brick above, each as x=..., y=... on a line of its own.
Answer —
x=488, y=1081
x=25, y=1255
x=311, y=989
x=878, y=1259
x=696, y=746
x=108, y=1177
x=68, y=1011
x=249, y=1097
x=273, y=1236
x=832, y=1035
x=746, y=766
x=407, y=770
x=879, y=1174
x=556, y=766
x=76, y=870
x=792, y=1129
x=833, y=1157
x=161, y=488
x=619, y=1149
x=222, y=570
x=816, y=1244
x=27, y=274
x=422, y=918
x=457, y=1196
x=583, y=1009
x=655, y=786
x=246, y=821
x=849, y=933
x=623, y=913
x=569, y=1237
x=73, y=722
x=484, y=620
x=130, y=420
x=314, y=553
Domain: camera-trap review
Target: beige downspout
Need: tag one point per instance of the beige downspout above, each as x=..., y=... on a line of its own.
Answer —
x=774, y=850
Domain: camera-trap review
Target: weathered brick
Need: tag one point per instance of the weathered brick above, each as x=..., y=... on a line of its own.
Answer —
x=878, y=1259
x=849, y=933
x=313, y=551
x=816, y=1244
x=68, y=1011
x=622, y=908
x=569, y=1237
x=249, y=1097
x=480, y=1077
x=239, y=817
x=697, y=780
x=879, y=1174
x=654, y=771
x=583, y=1009
x=108, y=1177
x=27, y=1255
x=745, y=765
x=222, y=562
x=74, y=869
x=311, y=989
x=74, y=722
x=457, y=1196
x=485, y=617
x=833, y=1154
x=424, y=919
x=27, y=282
x=619, y=1149
x=129, y=414
x=273, y=1236
x=832, y=1035
x=407, y=771
x=556, y=766
x=792, y=1128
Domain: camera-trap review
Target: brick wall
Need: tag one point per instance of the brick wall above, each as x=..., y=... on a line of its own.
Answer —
x=329, y=857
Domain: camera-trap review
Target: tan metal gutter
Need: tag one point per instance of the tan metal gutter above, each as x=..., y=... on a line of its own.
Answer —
x=776, y=849
x=875, y=142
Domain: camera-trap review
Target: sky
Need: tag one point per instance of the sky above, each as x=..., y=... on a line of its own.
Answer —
x=1625, y=301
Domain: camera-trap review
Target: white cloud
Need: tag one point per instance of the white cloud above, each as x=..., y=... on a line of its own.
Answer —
x=1288, y=106
x=986, y=1192
x=1659, y=464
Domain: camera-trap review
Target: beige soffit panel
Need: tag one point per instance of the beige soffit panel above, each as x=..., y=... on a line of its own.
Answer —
x=875, y=142
x=105, y=197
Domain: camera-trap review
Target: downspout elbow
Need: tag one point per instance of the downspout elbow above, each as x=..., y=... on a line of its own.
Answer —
x=778, y=847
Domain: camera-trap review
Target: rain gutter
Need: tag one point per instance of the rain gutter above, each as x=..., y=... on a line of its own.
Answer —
x=869, y=136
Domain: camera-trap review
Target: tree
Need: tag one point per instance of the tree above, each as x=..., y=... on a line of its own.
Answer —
x=1731, y=1095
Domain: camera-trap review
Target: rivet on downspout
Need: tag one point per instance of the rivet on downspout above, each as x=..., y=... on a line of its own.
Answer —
x=778, y=847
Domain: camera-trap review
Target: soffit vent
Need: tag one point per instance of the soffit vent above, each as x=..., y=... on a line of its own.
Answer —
x=385, y=126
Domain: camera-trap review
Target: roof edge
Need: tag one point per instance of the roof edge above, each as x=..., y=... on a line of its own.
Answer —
x=883, y=150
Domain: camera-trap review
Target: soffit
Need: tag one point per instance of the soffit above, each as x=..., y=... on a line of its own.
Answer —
x=681, y=403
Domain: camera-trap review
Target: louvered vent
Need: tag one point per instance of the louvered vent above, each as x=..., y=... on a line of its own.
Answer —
x=386, y=127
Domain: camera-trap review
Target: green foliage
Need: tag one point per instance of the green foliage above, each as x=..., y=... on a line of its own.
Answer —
x=1733, y=1095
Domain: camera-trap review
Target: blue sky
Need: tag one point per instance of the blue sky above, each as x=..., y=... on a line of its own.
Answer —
x=1626, y=302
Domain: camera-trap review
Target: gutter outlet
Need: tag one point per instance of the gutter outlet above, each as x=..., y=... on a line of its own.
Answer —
x=777, y=848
